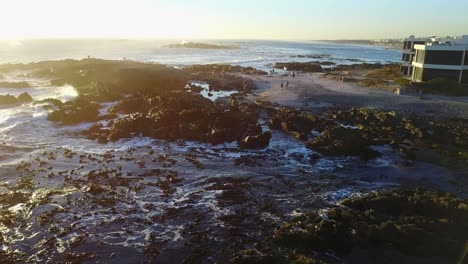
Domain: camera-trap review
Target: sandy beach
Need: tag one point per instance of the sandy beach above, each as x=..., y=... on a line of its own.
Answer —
x=319, y=91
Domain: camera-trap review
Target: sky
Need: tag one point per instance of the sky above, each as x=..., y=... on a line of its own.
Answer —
x=233, y=19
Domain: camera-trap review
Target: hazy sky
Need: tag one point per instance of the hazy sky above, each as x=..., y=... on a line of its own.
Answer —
x=232, y=19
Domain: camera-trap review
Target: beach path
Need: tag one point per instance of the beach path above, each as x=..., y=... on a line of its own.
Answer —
x=313, y=90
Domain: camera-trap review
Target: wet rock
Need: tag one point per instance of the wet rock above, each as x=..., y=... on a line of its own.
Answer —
x=299, y=66
x=223, y=68
x=24, y=98
x=8, y=99
x=134, y=104
x=53, y=101
x=260, y=141
x=94, y=131
x=249, y=160
x=181, y=116
x=226, y=82
x=413, y=222
x=74, y=112
x=361, y=66
x=195, y=88
x=340, y=141
x=295, y=122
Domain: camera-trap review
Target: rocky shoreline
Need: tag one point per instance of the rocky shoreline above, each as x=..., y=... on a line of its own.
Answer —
x=261, y=215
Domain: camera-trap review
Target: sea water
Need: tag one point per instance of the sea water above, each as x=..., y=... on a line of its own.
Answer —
x=259, y=54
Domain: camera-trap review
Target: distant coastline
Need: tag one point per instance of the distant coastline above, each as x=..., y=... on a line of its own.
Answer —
x=391, y=44
x=194, y=45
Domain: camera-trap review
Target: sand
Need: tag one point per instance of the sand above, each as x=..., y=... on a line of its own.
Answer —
x=309, y=91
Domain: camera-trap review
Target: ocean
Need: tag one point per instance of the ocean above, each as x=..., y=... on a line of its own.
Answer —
x=258, y=54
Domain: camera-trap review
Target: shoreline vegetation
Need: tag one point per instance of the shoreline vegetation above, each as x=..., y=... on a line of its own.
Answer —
x=160, y=102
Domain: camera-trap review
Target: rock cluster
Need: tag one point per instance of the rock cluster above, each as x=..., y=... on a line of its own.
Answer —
x=227, y=82
x=413, y=222
x=347, y=133
x=297, y=123
x=8, y=99
x=300, y=66
x=106, y=80
x=74, y=112
x=223, y=68
x=11, y=100
x=183, y=116
x=341, y=141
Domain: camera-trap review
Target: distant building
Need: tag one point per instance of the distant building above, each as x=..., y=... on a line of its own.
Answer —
x=427, y=59
x=408, y=54
x=441, y=60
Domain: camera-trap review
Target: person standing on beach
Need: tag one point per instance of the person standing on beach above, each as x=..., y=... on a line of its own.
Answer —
x=287, y=84
x=294, y=75
x=281, y=85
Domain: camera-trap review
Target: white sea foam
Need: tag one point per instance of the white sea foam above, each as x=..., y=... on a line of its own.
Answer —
x=67, y=93
x=212, y=95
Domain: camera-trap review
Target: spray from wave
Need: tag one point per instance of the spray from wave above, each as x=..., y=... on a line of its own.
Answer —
x=67, y=93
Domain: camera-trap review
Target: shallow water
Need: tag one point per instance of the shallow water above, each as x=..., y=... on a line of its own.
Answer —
x=145, y=199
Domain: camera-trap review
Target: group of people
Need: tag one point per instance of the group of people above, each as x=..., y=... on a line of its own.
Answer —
x=284, y=84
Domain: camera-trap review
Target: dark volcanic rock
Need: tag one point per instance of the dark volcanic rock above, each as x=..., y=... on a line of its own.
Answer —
x=134, y=104
x=185, y=116
x=106, y=80
x=413, y=222
x=349, y=132
x=53, y=101
x=340, y=141
x=10, y=99
x=297, y=123
x=359, y=66
x=223, y=68
x=227, y=82
x=300, y=66
x=256, y=142
x=74, y=112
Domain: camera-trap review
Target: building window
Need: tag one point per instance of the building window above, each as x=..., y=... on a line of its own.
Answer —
x=466, y=58
x=430, y=74
x=443, y=57
x=404, y=70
